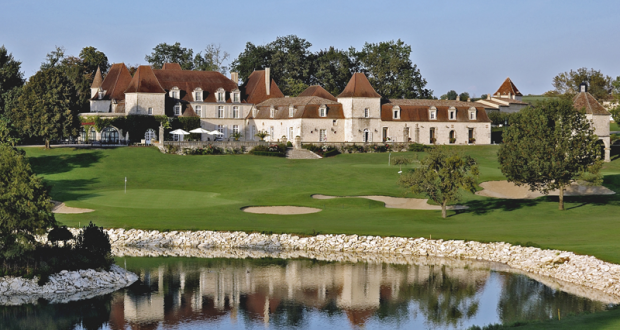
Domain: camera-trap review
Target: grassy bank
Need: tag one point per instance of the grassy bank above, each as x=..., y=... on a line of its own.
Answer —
x=167, y=192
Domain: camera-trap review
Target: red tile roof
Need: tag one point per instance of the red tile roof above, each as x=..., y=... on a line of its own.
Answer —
x=254, y=89
x=410, y=111
x=144, y=81
x=115, y=82
x=508, y=87
x=171, y=66
x=585, y=100
x=187, y=81
x=305, y=107
x=98, y=80
x=359, y=86
x=316, y=90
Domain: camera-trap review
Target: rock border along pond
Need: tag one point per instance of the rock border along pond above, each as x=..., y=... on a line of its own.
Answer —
x=565, y=266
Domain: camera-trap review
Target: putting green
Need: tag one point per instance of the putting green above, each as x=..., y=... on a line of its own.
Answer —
x=155, y=199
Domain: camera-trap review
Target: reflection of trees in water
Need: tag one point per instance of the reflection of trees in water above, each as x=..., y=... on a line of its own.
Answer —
x=525, y=299
x=91, y=314
x=444, y=299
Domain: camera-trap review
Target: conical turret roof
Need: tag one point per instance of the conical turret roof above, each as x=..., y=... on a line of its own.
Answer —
x=359, y=86
x=98, y=79
x=508, y=87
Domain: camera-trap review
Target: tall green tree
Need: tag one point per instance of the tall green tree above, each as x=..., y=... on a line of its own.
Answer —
x=567, y=83
x=549, y=146
x=464, y=96
x=47, y=107
x=450, y=95
x=164, y=53
x=441, y=176
x=93, y=59
x=389, y=69
x=25, y=205
x=332, y=69
x=11, y=78
x=212, y=60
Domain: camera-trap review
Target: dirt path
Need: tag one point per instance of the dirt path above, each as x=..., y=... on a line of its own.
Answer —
x=508, y=190
x=398, y=202
x=61, y=208
x=281, y=210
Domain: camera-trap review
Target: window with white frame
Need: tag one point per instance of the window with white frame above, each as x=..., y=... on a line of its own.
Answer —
x=366, y=113
x=452, y=113
x=322, y=135
x=199, y=110
x=220, y=129
x=271, y=134
x=177, y=110
x=254, y=112
x=291, y=111
x=272, y=112
x=432, y=113
x=101, y=93
x=396, y=112
x=472, y=114
x=174, y=93
x=198, y=96
x=220, y=112
x=220, y=95
x=150, y=111
x=236, y=97
x=235, y=129
x=235, y=112
x=290, y=134
x=323, y=111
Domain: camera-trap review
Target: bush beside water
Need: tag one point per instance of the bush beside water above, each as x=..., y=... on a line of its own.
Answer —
x=91, y=249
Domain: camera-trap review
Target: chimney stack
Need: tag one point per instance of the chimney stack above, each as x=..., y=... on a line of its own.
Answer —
x=268, y=81
x=489, y=96
x=458, y=97
x=234, y=76
x=469, y=99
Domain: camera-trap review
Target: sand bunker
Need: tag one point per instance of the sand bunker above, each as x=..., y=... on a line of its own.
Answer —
x=60, y=207
x=282, y=210
x=399, y=202
x=508, y=190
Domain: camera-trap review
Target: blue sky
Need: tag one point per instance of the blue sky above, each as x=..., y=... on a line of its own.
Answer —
x=462, y=45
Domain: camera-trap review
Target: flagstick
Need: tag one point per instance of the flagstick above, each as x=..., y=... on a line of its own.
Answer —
x=125, y=184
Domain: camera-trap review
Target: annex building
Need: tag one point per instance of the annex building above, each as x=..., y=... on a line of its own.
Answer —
x=357, y=115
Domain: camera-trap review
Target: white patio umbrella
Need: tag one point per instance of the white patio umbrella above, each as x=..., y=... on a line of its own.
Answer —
x=200, y=130
x=216, y=133
x=179, y=132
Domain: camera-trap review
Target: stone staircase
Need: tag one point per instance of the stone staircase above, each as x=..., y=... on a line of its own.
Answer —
x=301, y=154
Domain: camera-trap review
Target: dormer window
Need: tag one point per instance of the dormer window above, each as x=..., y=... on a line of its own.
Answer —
x=236, y=95
x=396, y=112
x=254, y=112
x=198, y=95
x=323, y=111
x=272, y=112
x=452, y=113
x=291, y=111
x=366, y=113
x=472, y=113
x=177, y=110
x=432, y=113
x=174, y=92
x=220, y=95
x=101, y=94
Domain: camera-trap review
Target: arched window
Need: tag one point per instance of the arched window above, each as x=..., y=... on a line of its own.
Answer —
x=109, y=135
x=452, y=137
x=149, y=136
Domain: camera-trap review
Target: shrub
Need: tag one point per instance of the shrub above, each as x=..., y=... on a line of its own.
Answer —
x=330, y=153
x=418, y=147
x=270, y=150
x=208, y=150
x=93, y=239
x=171, y=149
x=382, y=148
x=289, y=144
x=472, y=140
x=61, y=234
x=452, y=140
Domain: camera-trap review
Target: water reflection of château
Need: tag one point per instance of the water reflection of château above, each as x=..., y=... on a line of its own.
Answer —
x=270, y=293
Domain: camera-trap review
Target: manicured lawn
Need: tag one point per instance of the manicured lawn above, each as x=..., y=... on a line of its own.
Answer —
x=614, y=127
x=168, y=192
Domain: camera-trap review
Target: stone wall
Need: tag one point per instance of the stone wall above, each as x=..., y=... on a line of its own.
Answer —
x=560, y=265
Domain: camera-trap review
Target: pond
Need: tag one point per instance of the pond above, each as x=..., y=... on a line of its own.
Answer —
x=196, y=293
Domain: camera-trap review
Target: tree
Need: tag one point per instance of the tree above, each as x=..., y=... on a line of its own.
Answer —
x=53, y=58
x=450, y=95
x=212, y=60
x=390, y=71
x=548, y=146
x=332, y=68
x=47, y=107
x=567, y=83
x=93, y=59
x=464, y=96
x=11, y=78
x=25, y=205
x=400, y=161
x=615, y=114
x=441, y=175
x=164, y=53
